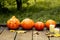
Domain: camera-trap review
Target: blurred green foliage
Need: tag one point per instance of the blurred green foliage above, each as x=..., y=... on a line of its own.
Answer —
x=9, y=3
x=45, y=4
x=38, y=10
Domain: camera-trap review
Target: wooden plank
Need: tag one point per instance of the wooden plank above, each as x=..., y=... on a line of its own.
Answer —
x=7, y=35
x=24, y=36
x=39, y=35
x=54, y=38
x=1, y=29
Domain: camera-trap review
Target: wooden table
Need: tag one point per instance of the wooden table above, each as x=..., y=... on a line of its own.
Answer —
x=5, y=34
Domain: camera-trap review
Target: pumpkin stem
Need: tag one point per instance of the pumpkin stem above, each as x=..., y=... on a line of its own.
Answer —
x=13, y=17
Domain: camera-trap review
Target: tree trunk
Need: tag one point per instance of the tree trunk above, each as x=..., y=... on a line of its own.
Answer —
x=19, y=4
x=35, y=2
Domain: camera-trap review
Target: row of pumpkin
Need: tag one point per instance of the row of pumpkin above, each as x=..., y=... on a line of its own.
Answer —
x=14, y=23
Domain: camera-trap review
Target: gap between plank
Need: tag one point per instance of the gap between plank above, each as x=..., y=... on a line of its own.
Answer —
x=15, y=36
x=32, y=34
x=2, y=29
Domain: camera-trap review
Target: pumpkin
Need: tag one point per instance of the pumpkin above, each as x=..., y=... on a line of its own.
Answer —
x=13, y=23
x=49, y=22
x=27, y=23
x=39, y=25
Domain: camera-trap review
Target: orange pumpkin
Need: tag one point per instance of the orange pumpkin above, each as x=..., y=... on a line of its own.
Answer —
x=49, y=22
x=27, y=23
x=39, y=25
x=13, y=23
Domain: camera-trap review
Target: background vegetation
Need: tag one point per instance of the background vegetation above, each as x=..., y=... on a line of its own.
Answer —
x=38, y=10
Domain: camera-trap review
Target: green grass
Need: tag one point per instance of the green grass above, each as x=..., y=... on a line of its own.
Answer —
x=35, y=14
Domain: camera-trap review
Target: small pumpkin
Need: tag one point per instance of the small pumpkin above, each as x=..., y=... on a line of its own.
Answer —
x=39, y=25
x=49, y=22
x=13, y=23
x=27, y=23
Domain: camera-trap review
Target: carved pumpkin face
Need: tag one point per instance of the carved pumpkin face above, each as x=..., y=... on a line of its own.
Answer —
x=27, y=23
x=13, y=23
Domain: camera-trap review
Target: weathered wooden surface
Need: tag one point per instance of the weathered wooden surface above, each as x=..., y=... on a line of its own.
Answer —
x=1, y=29
x=24, y=36
x=54, y=38
x=7, y=35
x=39, y=35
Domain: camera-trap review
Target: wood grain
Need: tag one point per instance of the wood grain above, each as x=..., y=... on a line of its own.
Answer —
x=54, y=38
x=24, y=36
x=1, y=29
x=7, y=35
x=39, y=35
